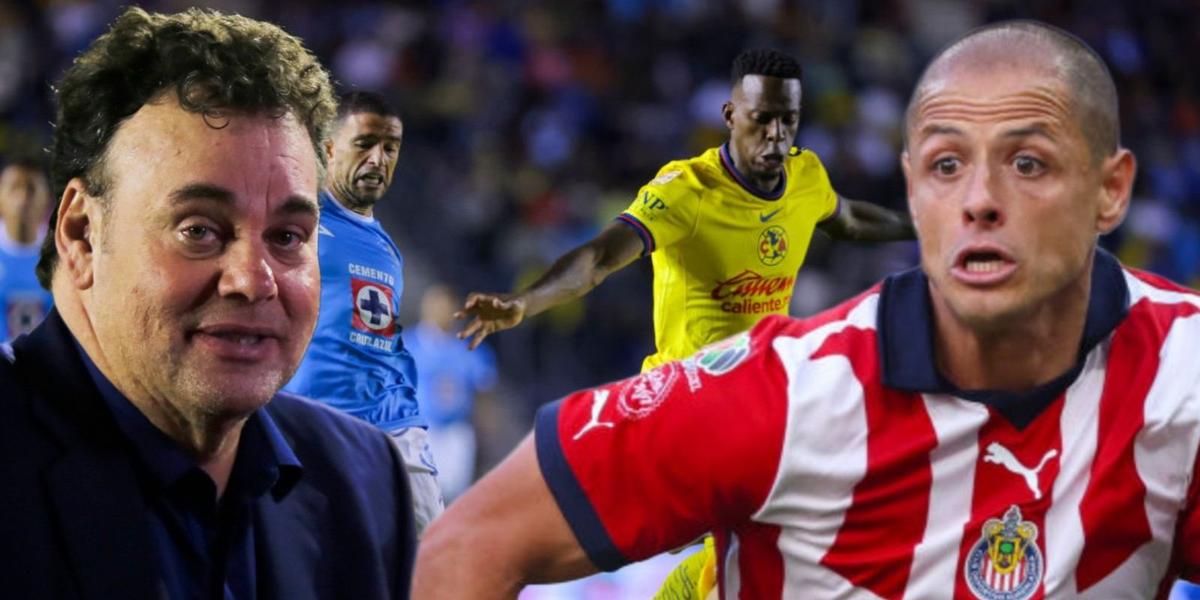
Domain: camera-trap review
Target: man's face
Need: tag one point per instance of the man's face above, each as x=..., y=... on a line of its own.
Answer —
x=24, y=197
x=205, y=281
x=362, y=157
x=763, y=116
x=438, y=306
x=1005, y=193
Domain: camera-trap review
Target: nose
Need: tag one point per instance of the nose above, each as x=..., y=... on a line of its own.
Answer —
x=775, y=130
x=247, y=272
x=980, y=206
x=376, y=156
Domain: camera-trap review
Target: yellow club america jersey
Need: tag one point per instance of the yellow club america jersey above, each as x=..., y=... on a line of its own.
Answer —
x=725, y=255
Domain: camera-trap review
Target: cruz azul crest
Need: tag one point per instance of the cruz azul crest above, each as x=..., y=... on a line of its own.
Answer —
x=1006, y=563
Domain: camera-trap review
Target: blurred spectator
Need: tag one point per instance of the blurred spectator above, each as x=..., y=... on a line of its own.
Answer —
x=451, y=379
x=24, y=209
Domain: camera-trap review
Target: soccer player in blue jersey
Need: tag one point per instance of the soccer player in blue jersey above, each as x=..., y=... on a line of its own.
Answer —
x=24, y=208
x=453, y=379
x=357, y=361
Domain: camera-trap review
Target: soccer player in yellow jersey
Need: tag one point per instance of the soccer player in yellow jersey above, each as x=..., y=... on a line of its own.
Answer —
x=726, y=231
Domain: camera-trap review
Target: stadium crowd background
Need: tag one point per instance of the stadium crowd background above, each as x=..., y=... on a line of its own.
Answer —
x=529, y=125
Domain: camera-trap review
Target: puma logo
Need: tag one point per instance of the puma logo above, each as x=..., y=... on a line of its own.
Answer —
x=1000, y=455
x=599, y=398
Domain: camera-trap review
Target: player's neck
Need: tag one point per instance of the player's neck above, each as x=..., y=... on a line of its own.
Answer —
x=342, y=197
x=1017, y=356
x=19, y=234
x=765, y=184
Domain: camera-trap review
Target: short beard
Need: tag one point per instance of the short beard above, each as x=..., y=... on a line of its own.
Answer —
x=351, y=200
x=355, y=202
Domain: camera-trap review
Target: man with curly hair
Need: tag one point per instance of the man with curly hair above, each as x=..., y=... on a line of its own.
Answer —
x=146, y=451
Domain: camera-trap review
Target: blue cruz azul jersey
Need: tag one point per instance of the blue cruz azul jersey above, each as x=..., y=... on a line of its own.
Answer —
x=22, y=299
x=357, y=362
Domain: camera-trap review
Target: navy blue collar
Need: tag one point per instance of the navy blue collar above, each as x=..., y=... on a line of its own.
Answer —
x=264, y=462
x=906, y=340
x=731, y=168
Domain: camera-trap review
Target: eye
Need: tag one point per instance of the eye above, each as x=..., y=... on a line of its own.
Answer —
x=197, y=237
x=288, y=239
x=1028, y=166
x=198, y=233
x=946, y=166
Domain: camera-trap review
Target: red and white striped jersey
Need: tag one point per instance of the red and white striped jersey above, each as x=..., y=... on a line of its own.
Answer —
x=831, y=460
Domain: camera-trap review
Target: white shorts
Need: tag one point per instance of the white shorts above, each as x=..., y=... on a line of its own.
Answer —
x=456, y=457
x=413, y=444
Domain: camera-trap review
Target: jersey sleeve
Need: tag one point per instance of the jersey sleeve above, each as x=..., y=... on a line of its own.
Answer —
x=1186, y=557
x=665, y=210
x=649, y=463
x=830, y=205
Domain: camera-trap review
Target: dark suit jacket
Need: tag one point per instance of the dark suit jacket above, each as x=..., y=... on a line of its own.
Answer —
x=73, y=522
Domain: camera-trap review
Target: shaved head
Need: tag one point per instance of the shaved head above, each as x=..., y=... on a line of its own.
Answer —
x=1034, y=46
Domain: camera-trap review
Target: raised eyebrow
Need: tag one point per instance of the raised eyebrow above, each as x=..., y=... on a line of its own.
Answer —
x=192, y=192
x=200, y=191
x=1036, y=129
x=300, y=205
x=936, y=129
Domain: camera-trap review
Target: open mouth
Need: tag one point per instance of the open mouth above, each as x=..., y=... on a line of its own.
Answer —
x=983, y=262
x=372, y=179
x=983, y=266
x=237, y=342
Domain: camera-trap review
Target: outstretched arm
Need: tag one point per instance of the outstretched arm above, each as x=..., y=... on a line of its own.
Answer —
x=505, y=532
x=572, y=275
x=861, y=221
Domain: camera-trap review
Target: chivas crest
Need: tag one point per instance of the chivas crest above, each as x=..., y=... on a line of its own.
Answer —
x=1006, y=563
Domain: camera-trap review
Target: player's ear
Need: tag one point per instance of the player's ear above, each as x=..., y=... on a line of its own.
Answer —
x=74, y=231
x=1116, y=187
x=727, y=113
x=328, y=145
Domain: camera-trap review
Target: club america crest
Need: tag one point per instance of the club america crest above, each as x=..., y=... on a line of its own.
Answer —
x=1006, y=563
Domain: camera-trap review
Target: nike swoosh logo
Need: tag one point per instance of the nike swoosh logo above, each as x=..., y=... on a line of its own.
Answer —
x=763, y=218
x=321, y=230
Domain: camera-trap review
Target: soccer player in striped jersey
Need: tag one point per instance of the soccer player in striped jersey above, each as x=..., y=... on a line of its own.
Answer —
x=1018, y=418
x=726, y=231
